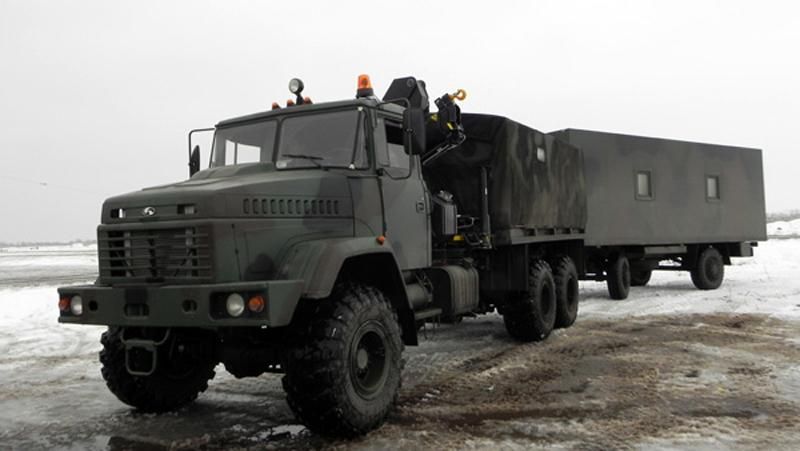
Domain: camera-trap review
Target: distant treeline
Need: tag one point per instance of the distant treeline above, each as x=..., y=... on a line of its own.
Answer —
x=47, y=243
x=783, y=216
x=771, y=217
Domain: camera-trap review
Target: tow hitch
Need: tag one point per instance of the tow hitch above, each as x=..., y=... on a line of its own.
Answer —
x=136, y=354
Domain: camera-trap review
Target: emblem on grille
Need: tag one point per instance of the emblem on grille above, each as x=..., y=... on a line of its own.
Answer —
x=148, y=211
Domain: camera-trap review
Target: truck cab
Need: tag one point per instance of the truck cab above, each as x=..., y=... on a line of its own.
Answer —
x=298, y=205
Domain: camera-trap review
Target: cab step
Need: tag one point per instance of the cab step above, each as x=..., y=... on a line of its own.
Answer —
x=427, y=313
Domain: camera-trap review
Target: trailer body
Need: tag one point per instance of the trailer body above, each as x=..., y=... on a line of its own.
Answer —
x=680, y=209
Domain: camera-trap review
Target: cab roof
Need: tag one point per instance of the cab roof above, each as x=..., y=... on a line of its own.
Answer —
x=307, y=108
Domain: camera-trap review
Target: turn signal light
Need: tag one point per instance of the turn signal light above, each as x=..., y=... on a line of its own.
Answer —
x=256, y=304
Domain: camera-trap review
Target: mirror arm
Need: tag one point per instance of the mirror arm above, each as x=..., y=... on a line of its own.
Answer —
x=191, y=132
x=197, y=130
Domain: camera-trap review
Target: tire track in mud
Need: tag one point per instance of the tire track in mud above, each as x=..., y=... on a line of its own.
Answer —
x=610, y=384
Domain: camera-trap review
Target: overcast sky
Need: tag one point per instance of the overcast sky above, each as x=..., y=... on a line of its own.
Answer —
x=96, y=97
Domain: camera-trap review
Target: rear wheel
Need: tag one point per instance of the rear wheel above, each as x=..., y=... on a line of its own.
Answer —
x=184, y=367
x=343, y=372
x=709, y=270
x=565, y=276
x=640, y=276
x=618, y=278
x=533, y=317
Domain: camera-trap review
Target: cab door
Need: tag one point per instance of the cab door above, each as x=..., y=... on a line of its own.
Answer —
x=405, y=198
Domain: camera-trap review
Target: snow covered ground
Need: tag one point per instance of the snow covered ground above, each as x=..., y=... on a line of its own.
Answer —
x=783, y=229
x=733, y=351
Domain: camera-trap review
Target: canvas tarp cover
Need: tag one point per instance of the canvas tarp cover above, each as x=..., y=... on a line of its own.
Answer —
x=524, y=192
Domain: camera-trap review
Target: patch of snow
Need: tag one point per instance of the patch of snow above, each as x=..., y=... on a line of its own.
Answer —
x=784, y=228
x=765, y=284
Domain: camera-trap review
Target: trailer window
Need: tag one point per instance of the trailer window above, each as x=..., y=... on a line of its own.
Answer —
x=712, y=187
x=644, y=185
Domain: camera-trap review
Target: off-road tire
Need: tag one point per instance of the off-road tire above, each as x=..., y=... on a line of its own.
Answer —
x=709, y=270
x=165, y=390
x=565, y=276
x=618, y=278
x=328, y=386
x=533, y=317
x=640, y=277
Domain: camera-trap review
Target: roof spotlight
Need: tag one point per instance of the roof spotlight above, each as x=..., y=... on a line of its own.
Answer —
x=296, y=86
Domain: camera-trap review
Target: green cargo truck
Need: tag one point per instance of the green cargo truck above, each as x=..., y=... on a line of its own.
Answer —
x=322, y=236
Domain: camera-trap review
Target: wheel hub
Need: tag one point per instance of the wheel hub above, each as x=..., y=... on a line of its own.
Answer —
x=362, y=359
x=368, y=360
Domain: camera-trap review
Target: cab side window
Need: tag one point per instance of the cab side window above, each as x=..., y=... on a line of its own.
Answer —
x=394, y=145
x=389, y=148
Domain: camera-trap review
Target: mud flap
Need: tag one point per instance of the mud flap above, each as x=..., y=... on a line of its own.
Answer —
x=136, y=354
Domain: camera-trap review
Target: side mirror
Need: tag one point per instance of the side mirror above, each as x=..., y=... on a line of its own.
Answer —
x=194, y=161
x=414, y=131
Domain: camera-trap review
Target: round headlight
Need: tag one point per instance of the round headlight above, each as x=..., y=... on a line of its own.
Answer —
x=296, y=86
x=235, y=304
x=76, y=305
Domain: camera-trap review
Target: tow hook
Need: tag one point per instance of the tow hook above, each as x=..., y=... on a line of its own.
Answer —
x=138, y=348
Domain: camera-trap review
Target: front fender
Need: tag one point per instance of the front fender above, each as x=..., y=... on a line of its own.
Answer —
x=318, y=262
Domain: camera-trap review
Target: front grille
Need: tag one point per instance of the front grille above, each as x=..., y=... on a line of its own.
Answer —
x=155, y=255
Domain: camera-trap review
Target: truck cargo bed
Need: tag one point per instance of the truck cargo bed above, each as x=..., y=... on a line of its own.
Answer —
x=536, y=190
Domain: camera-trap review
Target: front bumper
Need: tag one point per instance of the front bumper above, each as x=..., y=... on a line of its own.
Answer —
x=182, y=305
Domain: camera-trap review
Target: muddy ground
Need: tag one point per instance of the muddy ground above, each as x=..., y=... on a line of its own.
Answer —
x=699, y=381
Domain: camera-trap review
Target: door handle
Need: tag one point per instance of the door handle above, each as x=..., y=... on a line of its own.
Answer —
x=420, y=206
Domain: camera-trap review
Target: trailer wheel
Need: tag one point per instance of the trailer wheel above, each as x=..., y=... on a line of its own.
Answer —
x=565, y=276
x=618, y=278
x=640, y=277
x=533, y=318
x=344, y=369
x=183, y=371
x=709, y=270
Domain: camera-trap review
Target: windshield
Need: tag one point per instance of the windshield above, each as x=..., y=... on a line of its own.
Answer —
x=326, y=139
x=244, y=144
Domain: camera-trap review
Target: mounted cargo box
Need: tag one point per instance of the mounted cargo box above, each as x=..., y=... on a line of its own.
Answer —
x=647, y=191
x=535, y=182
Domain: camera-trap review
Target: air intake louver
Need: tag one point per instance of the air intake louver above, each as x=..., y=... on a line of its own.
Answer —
x=290, y=207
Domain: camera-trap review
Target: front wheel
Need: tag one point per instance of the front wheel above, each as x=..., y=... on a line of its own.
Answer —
x=184, y=366
x=343, y=371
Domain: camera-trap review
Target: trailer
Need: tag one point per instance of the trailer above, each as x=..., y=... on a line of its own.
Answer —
x=661, y=200
x=322, y=236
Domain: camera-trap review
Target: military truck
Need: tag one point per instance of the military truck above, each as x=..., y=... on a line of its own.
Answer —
x=322, y=236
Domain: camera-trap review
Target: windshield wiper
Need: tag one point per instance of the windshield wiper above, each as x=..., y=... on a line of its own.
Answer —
x=312, y=158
